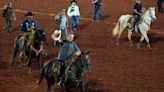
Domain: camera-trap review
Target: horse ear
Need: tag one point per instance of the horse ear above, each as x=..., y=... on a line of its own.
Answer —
x=87, y=52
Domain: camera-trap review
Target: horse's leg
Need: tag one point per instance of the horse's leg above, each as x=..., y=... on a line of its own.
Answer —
x=49, y=85
x=118, y=37
x=22, y=55
x=122, y=25
x=141, y=40
x=40, y=62
x=144, y=33
x=29, y=65
x=41, y=77
x=38, y=82
x=13, y=56
x=130, y=37
x=67, y=89
x=81, y=87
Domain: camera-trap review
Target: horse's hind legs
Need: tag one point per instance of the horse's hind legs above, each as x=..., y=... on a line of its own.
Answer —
x=13, y=57
x=81, y=87
x=118, y=38
x=49, y=86
x=130, y=38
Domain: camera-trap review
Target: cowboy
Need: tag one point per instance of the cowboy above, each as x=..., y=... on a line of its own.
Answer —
x=7, y=15
x=29, y=27
x=68, y=47
x=29, y=23
x=74, y=13
x=97, y=9
x=64, y=23
x=137, y=12
x=160, y=8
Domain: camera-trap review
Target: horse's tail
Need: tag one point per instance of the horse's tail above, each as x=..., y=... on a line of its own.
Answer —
x=116, y=29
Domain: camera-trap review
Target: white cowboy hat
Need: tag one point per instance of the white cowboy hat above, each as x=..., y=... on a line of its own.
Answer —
x=56, y=36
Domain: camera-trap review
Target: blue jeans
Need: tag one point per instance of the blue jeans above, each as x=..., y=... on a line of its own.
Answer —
x=160, y=8
x=62, y=67
x=99, y=11
x=65, y=31
x=74, y=21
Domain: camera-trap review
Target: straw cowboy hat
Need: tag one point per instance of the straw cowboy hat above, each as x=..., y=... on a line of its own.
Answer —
x=56, y=36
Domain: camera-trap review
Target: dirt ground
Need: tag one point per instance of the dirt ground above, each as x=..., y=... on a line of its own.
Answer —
x=115, y=68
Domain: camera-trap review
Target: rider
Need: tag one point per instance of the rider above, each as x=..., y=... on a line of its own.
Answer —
x=29, y=26
x=7, y=15
x=137, y=12
x=68, y=47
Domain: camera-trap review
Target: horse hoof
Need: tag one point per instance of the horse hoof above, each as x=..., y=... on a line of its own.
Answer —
x=37, y=82
x=138, y=46
x=131, y=45
x=29, y=70
x=149, y=48
x=36, y=86
x=117, y=43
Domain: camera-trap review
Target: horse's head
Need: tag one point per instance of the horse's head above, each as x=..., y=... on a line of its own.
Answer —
x=152, y=13
x=85, y=61
x=41, y=35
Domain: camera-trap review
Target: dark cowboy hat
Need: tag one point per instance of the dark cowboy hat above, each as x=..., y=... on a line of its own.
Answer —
x=29, y=14
x=73, y=1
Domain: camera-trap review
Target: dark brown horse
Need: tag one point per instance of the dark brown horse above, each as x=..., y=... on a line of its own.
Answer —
x=74, y=73
x=23, y=50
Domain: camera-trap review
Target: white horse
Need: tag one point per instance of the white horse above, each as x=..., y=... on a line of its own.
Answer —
x=143, y=26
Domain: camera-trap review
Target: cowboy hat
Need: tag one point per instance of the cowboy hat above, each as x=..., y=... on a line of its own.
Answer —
x=29, y=14
x=56, y=36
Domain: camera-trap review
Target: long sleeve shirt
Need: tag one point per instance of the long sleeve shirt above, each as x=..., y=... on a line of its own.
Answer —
x=64, y=22
x=73, y=10
x=66, y=50
x=25, y=26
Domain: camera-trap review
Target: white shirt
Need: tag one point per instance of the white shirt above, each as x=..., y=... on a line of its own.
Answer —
x=73, y=10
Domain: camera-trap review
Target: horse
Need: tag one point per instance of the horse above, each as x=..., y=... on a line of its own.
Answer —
x=23, y=50
x=143, y=27
x=74, y=72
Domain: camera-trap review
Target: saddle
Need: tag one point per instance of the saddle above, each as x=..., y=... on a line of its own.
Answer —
x=134, y=27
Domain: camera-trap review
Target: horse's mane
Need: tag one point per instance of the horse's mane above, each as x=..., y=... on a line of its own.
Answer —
x=144, y=13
